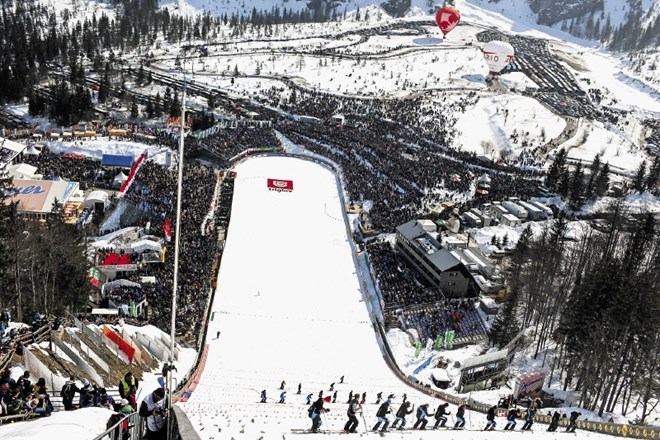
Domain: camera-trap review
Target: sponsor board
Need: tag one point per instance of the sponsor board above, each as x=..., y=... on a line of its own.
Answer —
x=280, y=185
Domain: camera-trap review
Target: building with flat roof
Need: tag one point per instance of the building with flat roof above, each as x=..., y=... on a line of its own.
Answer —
x=432, y=261
x=36, y=197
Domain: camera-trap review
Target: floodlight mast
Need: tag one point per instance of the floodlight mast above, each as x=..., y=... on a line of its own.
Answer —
x=177, y=243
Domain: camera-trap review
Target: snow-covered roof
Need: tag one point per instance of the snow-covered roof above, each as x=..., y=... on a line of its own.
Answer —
x=145, y=245
x=487, y=358
x=21, y=171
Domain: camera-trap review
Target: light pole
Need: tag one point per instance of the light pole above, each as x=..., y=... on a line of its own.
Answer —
x=177, y=242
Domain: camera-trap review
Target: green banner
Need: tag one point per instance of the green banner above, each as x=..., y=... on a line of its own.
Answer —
x=449, y=339
x=418, y=349
x=132, y=310
x=438, y=343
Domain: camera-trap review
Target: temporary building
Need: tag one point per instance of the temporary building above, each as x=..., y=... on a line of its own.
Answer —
x=97, y=200
x=119, y=179
x=145, y=245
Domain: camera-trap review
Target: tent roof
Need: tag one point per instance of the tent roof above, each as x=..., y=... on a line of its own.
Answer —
x=22, y=170
x=116, y=160
x=32, y=151
x=121, y=177
x=145, y=245
x=100, y=196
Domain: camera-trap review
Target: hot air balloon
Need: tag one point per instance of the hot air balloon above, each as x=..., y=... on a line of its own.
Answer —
x=447, y=18
x=498, y=55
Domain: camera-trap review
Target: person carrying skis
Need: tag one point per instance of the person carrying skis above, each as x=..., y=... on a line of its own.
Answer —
x=554, y=423
x=382, y=413
x=572, y=422
x=263, y=396
x=460, y=416
x=422, y=413
x=315, y=412
x=511, y=420
x=309, y=398
x=401, y=415
x=282, y=396
x=490, y=419
x=353, y=410
x=441, y=415
x=529, y=418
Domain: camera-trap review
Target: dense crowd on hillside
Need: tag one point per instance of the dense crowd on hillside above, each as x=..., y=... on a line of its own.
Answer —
x=405, y=179
x=155, y=190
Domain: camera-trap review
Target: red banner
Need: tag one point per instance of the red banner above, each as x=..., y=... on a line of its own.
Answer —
x=131, y=175
x=168, y=229
x=123, y=345
x=280, y=185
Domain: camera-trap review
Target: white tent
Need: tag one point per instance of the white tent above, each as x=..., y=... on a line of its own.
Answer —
x=96, y=197
x=32, y=151
x=145, y=245
x=21, y=171
x=119, y=179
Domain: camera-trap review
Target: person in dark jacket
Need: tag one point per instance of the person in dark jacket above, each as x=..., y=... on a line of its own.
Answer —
x=354, y=409
x=263, y=396
x=572, y=422
x=422, y=414
x=316, y=410
x=68, y=392
x=554, y=423
x=460, y=416
x=511, y=419
x=529, y=418
x=381, y=415
x=490, y=419
x=401, y=414
x=441, y=416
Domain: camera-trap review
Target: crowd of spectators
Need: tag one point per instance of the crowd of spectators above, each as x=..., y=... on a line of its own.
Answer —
x=21, y=396
x=154, y=190
x=409, y=302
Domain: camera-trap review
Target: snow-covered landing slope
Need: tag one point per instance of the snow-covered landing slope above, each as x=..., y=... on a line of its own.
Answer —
x=289, y=307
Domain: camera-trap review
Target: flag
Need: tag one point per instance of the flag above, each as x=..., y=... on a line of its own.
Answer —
x=438, y=343
x=162, y=254
x=168, y=229
x=94, y=276
x=449, y=339
x=418, y=349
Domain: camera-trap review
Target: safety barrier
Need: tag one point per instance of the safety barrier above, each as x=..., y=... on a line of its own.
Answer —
x=134, y=427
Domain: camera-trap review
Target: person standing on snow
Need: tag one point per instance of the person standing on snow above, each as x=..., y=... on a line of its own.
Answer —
x=381, y=415
x=283, y=384
x=511, y=420
x=490, y=417
x=401, y=415
x=282, y=397
x=353, y=410
x=263, y=396
x=422, y=413
x=529, y=418
x=572, y=422
x=316, y=410
x=299, y=388
x=555, y=422
x=460, y=416
x=441, y=415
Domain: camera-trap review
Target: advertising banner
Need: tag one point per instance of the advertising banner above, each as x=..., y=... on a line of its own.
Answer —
x=123, y=345
x=280, y=185
x=529, y=386
x=30, y=194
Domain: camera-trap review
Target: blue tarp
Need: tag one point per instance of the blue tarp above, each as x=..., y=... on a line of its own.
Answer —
x=115, y=160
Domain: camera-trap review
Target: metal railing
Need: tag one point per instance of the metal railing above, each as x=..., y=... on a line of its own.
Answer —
x=130, y=427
